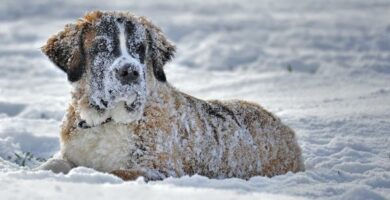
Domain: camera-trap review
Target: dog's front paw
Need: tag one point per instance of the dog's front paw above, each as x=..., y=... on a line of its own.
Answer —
x=133, y=174
x=129, y=174
x=56, y=166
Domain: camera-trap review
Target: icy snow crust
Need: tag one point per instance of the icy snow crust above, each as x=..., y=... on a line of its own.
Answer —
x=336, y=97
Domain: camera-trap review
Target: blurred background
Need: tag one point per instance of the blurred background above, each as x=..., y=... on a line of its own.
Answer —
x=267, y=35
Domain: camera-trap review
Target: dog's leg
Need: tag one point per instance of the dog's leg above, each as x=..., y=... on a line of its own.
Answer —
x=133, y=174
x=56, y=166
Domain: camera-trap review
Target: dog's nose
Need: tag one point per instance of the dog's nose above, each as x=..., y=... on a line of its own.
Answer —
x=127, y=74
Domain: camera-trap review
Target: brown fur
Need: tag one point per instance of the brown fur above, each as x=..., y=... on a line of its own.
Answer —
x=68, y=125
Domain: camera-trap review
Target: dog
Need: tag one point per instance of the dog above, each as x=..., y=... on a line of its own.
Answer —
x=124, y=118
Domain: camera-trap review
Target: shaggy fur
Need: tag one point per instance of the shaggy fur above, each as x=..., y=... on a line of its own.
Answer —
x=169, y=133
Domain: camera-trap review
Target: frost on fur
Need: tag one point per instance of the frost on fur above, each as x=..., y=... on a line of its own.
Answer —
x=126, y=119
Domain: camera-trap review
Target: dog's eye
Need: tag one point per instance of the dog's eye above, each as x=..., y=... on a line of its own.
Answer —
x=141, y=52
x=102, y=46
x=140, y=48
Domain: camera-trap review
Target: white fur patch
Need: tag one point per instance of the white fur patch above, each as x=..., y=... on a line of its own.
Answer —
x=119, y=113
x=104, y=148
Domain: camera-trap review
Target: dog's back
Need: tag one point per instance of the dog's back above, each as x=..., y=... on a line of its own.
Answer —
x=232, y=139
x=261, y=144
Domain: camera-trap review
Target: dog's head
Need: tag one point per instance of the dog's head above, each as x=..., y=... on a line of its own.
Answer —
x=111, y=58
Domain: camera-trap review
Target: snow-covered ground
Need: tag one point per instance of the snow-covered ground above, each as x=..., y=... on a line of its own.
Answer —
x=322, y=66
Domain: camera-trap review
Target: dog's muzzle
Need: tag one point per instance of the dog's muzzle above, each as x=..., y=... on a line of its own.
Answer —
x=127, y=74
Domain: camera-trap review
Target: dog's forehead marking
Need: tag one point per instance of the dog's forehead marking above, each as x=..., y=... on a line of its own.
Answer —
x=124, y=53
x=122, y=39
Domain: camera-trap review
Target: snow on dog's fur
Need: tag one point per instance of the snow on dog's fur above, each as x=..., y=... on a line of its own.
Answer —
x=125, y=118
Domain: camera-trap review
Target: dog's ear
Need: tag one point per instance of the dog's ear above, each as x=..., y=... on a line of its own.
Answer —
x=65, y=50
x=160, y=51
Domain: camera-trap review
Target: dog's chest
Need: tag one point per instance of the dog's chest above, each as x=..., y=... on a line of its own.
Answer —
x=105, y=148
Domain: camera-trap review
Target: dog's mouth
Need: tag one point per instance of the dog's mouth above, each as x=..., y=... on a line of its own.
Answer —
x=120, y=110
x=130, y=103
x=83, y=124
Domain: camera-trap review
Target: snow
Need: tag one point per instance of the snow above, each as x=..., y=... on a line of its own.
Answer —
x=322, y=66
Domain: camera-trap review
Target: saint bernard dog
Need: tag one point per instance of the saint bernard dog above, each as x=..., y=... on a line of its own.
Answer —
x=124, y=118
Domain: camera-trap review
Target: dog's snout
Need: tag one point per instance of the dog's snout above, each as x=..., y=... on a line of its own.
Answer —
x=127, y=74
